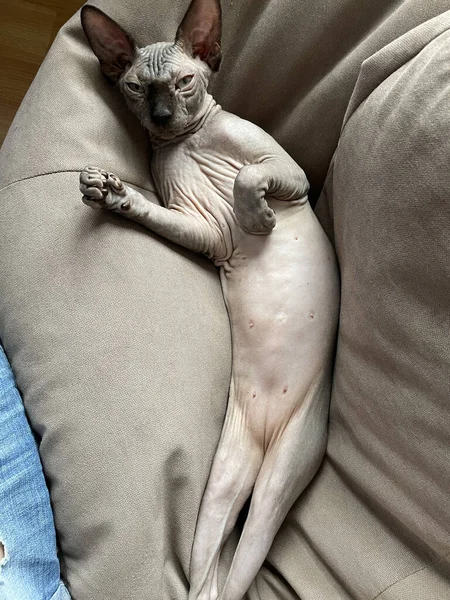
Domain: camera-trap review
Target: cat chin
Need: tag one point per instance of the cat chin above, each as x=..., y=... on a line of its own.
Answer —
x=168, y=133
x=164, y=134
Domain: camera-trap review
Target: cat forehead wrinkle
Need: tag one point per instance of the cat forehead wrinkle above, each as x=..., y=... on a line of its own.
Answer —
x=158, y=60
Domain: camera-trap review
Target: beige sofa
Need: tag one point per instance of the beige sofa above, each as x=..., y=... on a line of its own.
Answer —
x=120, y=340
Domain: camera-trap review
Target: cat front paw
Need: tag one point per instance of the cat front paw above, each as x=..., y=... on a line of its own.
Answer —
x=258, y=221
x=102, y=189
x=250, y=206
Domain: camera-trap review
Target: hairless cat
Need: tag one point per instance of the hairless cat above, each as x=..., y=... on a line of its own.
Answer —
x=231, y=192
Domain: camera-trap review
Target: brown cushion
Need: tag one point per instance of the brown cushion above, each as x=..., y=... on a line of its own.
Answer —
x=120, y=341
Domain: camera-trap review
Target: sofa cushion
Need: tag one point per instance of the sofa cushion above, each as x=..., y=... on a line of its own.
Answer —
x=386, y=204
x=120, y=341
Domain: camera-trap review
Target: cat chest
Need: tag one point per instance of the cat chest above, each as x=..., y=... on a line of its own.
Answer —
x=186, y=176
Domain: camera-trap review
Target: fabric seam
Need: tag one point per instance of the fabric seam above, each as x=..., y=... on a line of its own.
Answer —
x=363, y=100
x=66, y=171
x=431, y=564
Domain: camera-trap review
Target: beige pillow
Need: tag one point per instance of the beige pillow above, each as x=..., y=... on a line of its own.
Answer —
x=386, y=203
x=120, y=341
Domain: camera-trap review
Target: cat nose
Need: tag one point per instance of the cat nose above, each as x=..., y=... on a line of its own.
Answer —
x=161, y=116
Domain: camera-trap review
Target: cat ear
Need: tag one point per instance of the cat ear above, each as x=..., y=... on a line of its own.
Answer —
x=113, y=47
x=200, y=30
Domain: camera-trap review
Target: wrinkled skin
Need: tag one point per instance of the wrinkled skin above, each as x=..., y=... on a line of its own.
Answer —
x=231, y=192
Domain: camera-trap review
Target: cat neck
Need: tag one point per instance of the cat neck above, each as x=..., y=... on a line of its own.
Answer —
x=209, y=108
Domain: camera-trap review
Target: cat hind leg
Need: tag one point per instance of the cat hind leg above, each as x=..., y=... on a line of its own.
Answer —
x=289, y=465
x=235, y=467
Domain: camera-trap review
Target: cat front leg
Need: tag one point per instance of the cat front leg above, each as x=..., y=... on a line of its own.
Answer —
x=278, y=178
x=250, y=206
x=104, y=190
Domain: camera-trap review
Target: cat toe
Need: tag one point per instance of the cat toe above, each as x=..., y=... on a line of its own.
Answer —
x=93, y=183
x=95, y=204
x=115, y=183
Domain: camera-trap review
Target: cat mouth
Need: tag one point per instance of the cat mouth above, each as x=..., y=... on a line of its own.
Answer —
x=161, y=122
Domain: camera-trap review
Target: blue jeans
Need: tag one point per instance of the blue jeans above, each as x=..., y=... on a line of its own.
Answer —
x=30, y=569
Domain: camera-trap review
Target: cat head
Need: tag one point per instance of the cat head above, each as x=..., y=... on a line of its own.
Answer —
x=164, y=84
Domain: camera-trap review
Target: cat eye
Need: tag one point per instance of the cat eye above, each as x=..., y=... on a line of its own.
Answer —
x=184, y=81
x=134, y=87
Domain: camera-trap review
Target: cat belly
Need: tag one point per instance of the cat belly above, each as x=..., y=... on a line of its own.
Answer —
x=282, y=295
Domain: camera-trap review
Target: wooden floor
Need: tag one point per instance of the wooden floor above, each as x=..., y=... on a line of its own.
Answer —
x=27, y=29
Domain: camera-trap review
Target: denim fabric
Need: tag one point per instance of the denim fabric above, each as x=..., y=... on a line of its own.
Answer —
x=30, y=569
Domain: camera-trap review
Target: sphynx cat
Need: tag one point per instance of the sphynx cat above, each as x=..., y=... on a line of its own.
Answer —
x=231, y=192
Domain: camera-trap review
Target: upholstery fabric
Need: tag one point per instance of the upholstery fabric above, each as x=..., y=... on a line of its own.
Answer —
x=390, y=414
x=120, y=342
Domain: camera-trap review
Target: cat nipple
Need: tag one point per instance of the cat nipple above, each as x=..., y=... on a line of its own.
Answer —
x=285, y=389
x=251, y=324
